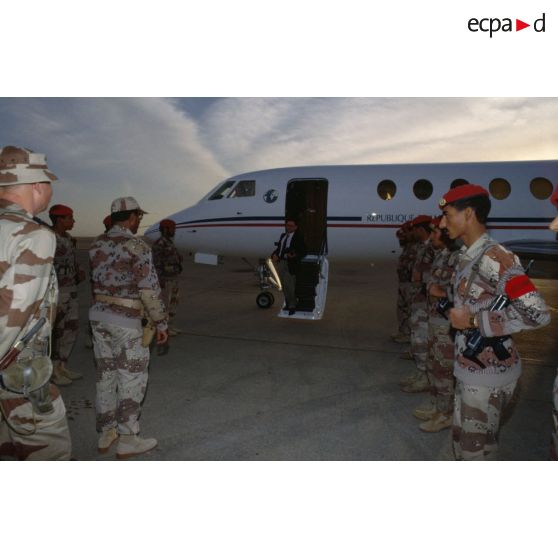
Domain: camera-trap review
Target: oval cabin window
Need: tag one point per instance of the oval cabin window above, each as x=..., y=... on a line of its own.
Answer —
x=387, y=189
x=458, y=182
x=499, y=188
x=423, y=189
x=541, y=188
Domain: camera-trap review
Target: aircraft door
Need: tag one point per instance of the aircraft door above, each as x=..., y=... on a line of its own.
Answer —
x=306, y=202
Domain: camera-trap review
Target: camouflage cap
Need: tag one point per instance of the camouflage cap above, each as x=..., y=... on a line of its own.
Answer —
x=19, y=165
x=125, y=204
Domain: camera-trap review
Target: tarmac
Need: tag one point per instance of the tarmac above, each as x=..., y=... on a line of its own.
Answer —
x=242, y=384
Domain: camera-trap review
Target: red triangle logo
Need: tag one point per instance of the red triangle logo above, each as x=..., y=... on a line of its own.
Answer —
x=519, y=25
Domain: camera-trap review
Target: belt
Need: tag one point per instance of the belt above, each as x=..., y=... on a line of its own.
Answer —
x=134, y=303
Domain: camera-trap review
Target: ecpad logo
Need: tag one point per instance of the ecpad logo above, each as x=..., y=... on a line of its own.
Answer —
x=492, y=25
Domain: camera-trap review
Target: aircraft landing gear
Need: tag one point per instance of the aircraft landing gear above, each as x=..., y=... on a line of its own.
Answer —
x=268, y=278
x=265, y=300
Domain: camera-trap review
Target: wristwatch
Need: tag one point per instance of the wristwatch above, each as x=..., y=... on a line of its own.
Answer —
x=473, y=322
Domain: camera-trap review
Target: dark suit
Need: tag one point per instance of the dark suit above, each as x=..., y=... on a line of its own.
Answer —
x=288, y=266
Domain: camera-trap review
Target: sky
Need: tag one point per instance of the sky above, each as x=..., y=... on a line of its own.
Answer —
x=169, y=152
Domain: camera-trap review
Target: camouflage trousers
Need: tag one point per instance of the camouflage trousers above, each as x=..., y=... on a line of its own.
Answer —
x=38, y=436
x=65, y=330
x=122, y=365
x=555, y=418
x=439, y=363
x=404, y=308
x=171, y=296
x=419, y=334
x=476, y=419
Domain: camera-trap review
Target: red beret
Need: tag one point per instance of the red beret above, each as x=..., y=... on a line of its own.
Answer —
x=60, y=210
x=462, y=193
x=419, y=219
x=436, y=221
x=167, y=223
x=554, y=197
x=107, y=221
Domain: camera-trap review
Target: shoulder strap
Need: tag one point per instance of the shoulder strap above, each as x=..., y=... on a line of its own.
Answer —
x=476, y=266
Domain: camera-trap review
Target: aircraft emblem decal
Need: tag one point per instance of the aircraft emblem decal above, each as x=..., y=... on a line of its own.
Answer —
x=271, y=196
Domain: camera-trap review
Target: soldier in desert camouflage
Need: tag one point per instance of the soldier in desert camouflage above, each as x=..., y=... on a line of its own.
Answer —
x=554, y=446
x=125, y=288
x=486, y=373
x=69, y=274
x=404, y=267
x=419, y=317
x=168, y=263
x=32, y=426
x=439, y=363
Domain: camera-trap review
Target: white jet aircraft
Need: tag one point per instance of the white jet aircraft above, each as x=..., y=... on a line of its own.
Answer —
x=351, y=212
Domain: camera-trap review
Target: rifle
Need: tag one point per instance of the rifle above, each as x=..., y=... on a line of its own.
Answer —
x=13, y=353
x=476, y=342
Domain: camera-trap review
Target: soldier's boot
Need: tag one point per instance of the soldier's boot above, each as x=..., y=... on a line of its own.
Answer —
x=425, y=412
x=419, y=385
x=58, y=376
x=439, y=421
x=106, y=439
x=400, y=338
x=128, y=446
x=71, y=374
x=409, y=379
x=406, y=355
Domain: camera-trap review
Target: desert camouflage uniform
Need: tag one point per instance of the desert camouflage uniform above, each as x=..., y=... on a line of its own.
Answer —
x=481, y=394
x=121, y=266
x=27, y=278
x=419, y=315
x=168, y=263
x=65, y=329
x=404, y=267
x=554, y=446
x=439, y=364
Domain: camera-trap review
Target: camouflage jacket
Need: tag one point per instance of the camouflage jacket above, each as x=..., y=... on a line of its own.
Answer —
x=421, y=267
x=167, y=259
x=499, y=272
x=441, y=275
x=405, y=262
x=122, y=266
x=65, y=262
x=28, y=287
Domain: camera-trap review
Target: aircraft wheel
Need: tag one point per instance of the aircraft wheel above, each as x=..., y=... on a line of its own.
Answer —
x=265, y=300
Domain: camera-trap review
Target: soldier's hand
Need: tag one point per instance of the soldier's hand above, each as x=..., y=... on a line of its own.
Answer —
x=162, y=337
x=460, y=317
x=437, y=291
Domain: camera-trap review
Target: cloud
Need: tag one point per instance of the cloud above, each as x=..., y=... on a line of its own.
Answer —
x=105, y=148
x=170, y=152
x=247, y=134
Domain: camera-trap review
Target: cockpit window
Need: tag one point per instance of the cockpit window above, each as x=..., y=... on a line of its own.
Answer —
x=243, y=189
x=223, y=191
